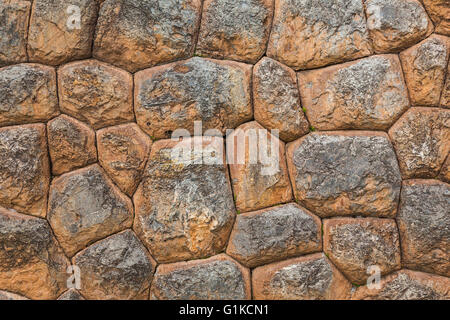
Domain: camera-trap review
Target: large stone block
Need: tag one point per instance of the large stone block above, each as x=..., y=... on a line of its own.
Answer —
x=439, y=11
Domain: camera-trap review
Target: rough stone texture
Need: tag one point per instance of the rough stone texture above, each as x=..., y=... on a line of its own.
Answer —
x=259, y=177
x=235, y=30
x=396, y=24
x=31, y=262
x=445, y=171
x=425, y=65
x=353, y=245
x=274, y=234
x=96, y=93
x=123, y=152
x=407, y=285
x=277, y=101
x=185, y=210
x=53, y=39
x=424, y=224
x=173, y=96
x=71, y=144
x=422, y=141
x=27, y=94
x=85, y=206
x=118, y=267
x=216, y=278
x=71, y=294
x=445, y=97
x=313, y=33
x=311, y=277
x=13, y=31
x=366, y=94
x=24, y=169
x=345, y=173
x=137, y=34
x=439, y=11
x=5, y=295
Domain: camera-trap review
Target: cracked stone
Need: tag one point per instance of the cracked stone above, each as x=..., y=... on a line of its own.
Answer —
x=314, y=33
x=85, y=206
x=173, y=96
x=216, y=278
x=354, y=245
x=96, y=93
x=366, y=94
x=184, y=205
x=274, y=234
x=345, y=173
x=439, y=11
x=116, y=268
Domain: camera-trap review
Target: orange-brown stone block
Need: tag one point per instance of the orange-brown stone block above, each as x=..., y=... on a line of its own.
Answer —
x=445, y=171
x=445, y=98
x=439, y=11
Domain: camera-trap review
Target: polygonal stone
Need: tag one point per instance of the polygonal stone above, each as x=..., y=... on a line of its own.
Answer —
x=345, y=173
x=407, y=285
x=27, y=94
x=312, y=277
x=445, y=98
x=5, y=295
x=123, y=152
x=85, y=206
x=235, y=30
x=24, y=169
x=71, y=294
x=137, y=34
x=309, y=33
x=439, y=11
x=118, y=267
x=445, y=171
x=396, y=24
x=422, y=141
x=366, y=94
x=184, y=205
x=354, y=245
x=31, y=262
x=277, y=101
x=258, y=172
x=173, y=96
x=13, y=31
x=216, y=278
x=96, y=93
x=274, y=234
x=61, y=31
x=425, y=65
x=71, y=144
x=424, y=222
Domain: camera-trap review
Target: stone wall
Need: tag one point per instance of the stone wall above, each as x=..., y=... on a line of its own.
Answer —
x=94, y=206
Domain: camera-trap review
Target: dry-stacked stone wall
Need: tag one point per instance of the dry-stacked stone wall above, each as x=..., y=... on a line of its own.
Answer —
x=353, y=202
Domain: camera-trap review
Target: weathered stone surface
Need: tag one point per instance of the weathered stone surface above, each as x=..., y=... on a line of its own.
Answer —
x=85, y=206
x=424, y=224
x=216, y=278
x=276, y=100
x=407, y=285
x=71, y=294
x=353, y=245
x=118, y=267
x=71, y=144
x=259, y=175
x=396, y=24
x=173, y=96
x=24, y=169
x=137, y=34
x=27, y=94
x=96, y=93
x=184, y=205
x=445, y=98
x=235, y=30
x=445, y=171
x=312, y=277
x=31, y=262
x=366, y=94
x=425, y=65
x=422, y=141
x=123, y=152
x=309, y=33
x=345, y=173
x=13, y=31
x=5, y=295
x=439, y=11
x=274, y=234
x=55, y=37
